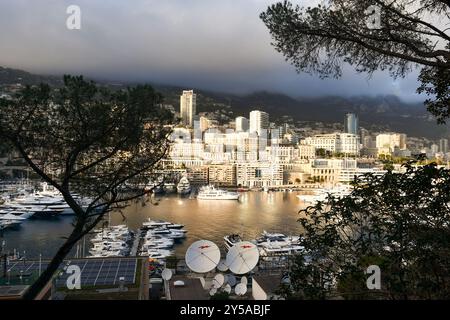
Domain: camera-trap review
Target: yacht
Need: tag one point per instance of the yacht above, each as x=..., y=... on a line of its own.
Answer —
x=184, y=187
x=231, y=240
x=158, y=253
x=278, y=244
x=114, y=241
x=322, y=195
x=151, y=224
x=211, y=193
x=170, y=187
x=10, y=221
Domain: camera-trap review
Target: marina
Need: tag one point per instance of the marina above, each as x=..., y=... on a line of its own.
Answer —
x=254, y=212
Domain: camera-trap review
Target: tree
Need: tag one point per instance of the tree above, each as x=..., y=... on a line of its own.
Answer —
x=88, y=140
x=396, y=222
x=411, y=33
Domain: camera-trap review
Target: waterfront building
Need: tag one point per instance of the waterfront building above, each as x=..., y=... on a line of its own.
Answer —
x=188, y=107
x=259, y=175
x=333, y=171
x=223, y=175
x=198, y=175
x=259, y=121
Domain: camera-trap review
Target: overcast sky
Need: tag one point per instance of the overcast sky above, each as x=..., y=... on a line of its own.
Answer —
x=219, y=45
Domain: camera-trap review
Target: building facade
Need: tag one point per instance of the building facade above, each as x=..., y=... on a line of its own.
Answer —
x=188, y=107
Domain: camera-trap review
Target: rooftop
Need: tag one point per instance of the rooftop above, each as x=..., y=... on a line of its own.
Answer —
x=192, y=289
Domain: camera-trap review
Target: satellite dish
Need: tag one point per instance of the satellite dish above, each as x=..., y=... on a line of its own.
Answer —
x=218, y=280
x=202, y=256
x=166, y=274
x=227, y=289
x=240, y=289
x=212, y=292
x=242, y=257
x=244, y=280
x=222, y=266
x=231, y=279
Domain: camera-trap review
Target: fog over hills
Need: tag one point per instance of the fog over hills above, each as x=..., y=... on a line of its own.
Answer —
x=388, y=112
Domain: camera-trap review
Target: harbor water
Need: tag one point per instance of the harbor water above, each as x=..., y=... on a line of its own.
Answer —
x=203, y=219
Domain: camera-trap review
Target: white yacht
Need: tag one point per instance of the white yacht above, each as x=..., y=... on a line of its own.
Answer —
x=170, y=187
x=270, y=244
x=231, y=240
x=212, y=193
x=152, y=224
x=322, y=195
x=184, y=187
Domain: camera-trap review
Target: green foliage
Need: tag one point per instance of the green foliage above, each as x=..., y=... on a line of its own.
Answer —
x=435, y=83
x=90, y=140
x=321, y=39
x=400, y=222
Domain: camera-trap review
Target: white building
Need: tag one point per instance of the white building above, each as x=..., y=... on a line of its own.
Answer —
x=334, y=171
x=336, y=143
x=242, y=124
x=351, y=123
x=188, y=107
x=259, y=121
x=443, y=145
x=259, y=175
x=387, y=143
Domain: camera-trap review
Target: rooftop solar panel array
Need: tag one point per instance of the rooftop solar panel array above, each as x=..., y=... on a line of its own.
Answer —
x=94, y=272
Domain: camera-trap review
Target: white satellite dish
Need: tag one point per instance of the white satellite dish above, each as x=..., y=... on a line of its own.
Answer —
x=244, y=280
x=242, y=257
x=231, y=279
x=222, y=266
x=218, y=280
x=212, y=292
x=202, y=256
x=166, y=274
x=240, y=289
x=227, y=289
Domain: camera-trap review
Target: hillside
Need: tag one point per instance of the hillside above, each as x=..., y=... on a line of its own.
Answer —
x=387, y=112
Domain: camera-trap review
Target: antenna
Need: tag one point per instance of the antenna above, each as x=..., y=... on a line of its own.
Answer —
x=202, y=256
x=242, y=257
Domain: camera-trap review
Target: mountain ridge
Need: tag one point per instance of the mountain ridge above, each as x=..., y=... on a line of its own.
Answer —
x=386, y=111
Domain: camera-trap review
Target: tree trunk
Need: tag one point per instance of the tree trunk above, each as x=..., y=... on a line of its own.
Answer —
x=53, y=266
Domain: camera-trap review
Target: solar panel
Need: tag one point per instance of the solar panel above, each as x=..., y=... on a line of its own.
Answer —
x=93, y=271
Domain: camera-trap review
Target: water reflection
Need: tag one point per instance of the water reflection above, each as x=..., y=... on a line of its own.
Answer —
x=212, y=220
